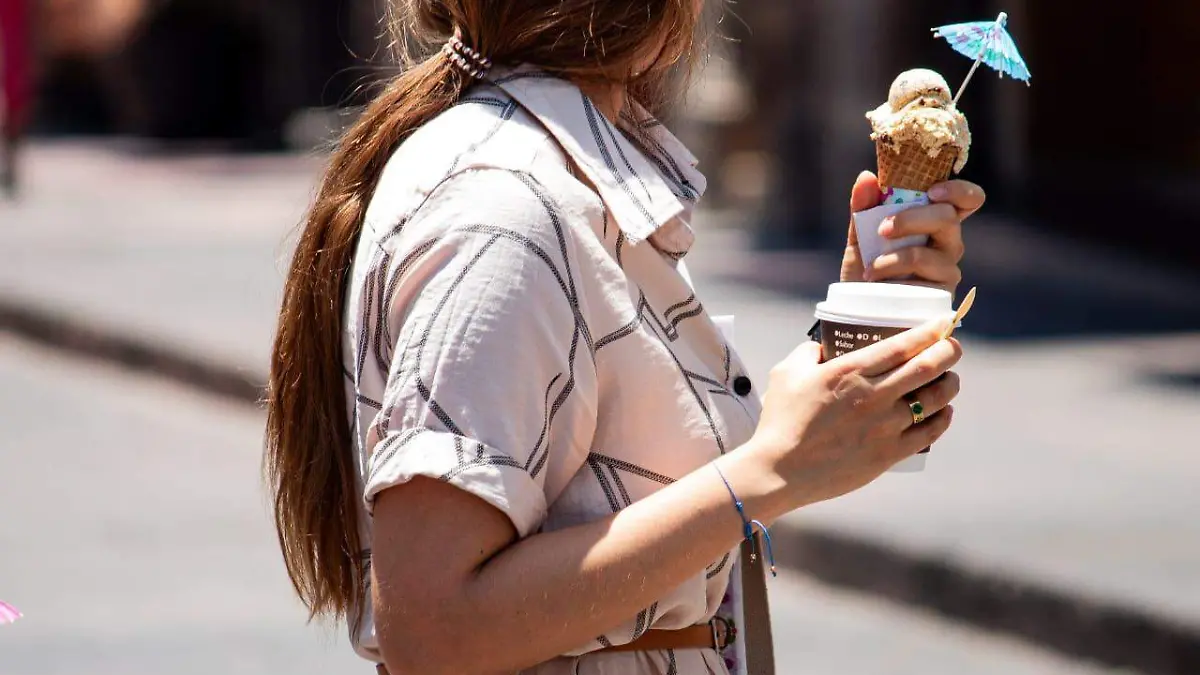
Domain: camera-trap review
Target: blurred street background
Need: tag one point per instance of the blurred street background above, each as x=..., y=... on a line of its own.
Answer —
x=173, y=146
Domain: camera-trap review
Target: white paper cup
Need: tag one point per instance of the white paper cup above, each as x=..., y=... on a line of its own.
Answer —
x=855, y=315
x=871, y=244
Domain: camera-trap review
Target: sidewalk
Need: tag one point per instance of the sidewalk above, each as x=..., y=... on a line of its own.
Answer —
x=1072, y=465
x=183, y=251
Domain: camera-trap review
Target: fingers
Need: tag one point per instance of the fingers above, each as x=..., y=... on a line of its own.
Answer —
x=928, y=219
x=933, y=398
x=941, y=222
x=887, y=355
x=921, y=436
x=927, y=264
x=964, y=196
x=920, y=370
x=808, y=353
x=865, y=194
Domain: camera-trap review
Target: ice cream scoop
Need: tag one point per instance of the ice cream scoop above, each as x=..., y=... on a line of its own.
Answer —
x=918, y=82
x=919, y=133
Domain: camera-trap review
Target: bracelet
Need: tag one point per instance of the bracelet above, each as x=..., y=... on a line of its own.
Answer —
x=748, y=524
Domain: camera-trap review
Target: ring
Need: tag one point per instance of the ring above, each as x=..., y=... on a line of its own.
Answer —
x=918, y=411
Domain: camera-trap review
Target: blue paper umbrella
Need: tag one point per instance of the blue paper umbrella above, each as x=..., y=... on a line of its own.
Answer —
x=986, y=42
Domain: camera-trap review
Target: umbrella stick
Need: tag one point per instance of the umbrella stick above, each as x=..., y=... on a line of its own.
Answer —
x=962, y=87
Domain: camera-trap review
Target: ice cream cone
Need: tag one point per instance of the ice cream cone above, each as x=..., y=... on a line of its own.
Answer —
x=909, y=166
x=920, y=135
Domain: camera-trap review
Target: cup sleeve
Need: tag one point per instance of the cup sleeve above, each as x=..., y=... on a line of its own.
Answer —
x=871, y=244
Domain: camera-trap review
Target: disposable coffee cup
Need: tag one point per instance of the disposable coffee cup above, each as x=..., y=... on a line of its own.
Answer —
x=856, y=315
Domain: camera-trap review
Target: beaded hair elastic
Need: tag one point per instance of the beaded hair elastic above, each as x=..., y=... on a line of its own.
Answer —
x=466, y=59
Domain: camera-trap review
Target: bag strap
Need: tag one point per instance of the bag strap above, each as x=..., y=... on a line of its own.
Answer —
x=756, y=611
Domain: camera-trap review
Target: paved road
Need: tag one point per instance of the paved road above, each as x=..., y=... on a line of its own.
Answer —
x=134, y=533
x=136, y=540
x=1072, y=462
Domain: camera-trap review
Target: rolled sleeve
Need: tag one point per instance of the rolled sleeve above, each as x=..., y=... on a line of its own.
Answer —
x=492, y=387
x=490, y=474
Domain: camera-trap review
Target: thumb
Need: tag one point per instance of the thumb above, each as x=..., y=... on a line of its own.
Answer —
x=865, y=194
x=806, y=356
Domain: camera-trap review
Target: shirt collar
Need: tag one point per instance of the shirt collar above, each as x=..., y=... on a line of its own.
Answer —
x=643, y=173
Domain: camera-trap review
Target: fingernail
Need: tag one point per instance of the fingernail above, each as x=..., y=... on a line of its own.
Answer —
x=886, y=227
x=938, y=193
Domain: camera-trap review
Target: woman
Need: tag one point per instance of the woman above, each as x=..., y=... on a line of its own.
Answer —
x=504, y=434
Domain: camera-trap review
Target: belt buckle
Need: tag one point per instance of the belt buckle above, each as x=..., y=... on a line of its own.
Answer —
x=729, y=633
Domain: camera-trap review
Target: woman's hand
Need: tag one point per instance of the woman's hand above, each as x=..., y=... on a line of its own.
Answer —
x=828, y=429
x=935, y=264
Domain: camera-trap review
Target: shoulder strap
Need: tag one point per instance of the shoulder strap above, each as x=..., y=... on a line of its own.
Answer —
x=760, y=646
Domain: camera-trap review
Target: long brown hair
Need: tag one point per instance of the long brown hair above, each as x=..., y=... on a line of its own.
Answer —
x=308, y=460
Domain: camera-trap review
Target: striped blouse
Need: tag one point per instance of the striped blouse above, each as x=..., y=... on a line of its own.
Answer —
x=536, y=342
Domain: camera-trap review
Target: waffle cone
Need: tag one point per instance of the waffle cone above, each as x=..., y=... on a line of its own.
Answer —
x=911, y=167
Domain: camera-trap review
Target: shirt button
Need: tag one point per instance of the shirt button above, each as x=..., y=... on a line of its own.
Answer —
x=742, y=385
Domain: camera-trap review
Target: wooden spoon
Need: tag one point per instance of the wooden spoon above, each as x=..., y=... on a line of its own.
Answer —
x=961, y=313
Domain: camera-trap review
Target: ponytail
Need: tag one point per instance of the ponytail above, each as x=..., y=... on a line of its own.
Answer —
x=308, y=460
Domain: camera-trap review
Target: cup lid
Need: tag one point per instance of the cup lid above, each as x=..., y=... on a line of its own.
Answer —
x=883, y=304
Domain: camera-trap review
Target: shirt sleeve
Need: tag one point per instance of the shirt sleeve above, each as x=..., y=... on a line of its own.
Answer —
x=491, y=386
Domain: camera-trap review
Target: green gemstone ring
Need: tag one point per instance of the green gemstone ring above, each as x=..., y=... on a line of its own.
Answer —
x=918, y=412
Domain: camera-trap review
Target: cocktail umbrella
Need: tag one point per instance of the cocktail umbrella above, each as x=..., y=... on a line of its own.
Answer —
x=986, y=42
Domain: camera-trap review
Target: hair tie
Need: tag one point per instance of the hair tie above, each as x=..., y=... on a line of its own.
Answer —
x=466, y=59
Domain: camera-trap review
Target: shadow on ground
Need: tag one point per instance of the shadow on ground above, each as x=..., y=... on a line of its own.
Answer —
x=1177, y=380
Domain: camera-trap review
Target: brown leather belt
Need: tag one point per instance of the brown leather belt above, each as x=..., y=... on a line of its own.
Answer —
x=716, y=634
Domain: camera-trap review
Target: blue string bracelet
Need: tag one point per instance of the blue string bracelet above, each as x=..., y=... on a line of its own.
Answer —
x=748, y=524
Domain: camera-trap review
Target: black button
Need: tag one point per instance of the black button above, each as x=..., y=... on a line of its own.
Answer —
x=742, y=385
